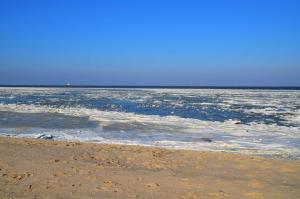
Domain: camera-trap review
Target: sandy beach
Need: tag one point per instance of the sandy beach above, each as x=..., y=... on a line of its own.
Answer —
x=31, y=168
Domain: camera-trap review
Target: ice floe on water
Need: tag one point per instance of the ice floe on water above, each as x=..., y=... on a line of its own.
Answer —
x=258, y=122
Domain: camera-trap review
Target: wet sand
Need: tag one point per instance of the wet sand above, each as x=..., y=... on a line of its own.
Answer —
x=50, y=169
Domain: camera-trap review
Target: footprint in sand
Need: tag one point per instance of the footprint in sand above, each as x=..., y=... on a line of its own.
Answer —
x=111, y=183
x=153, y=185
x=30, y=187
x=59, y=174
x=21, y=176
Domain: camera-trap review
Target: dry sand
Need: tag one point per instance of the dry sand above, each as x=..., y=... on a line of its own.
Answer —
x=51, y=169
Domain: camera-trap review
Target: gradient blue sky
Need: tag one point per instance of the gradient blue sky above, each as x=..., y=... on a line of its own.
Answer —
x=203, y=43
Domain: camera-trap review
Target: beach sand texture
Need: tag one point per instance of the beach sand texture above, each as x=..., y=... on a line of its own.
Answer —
x=31, y=168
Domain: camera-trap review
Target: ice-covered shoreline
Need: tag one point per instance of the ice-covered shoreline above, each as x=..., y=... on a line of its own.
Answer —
x=168, y=131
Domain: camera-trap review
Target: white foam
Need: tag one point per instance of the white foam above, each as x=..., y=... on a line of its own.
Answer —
x=228, y=136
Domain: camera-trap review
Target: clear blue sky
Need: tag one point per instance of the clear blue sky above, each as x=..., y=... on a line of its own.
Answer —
x=219, y=43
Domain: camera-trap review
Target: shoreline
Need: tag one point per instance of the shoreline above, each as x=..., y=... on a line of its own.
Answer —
x=43, y=137
x=34, y=168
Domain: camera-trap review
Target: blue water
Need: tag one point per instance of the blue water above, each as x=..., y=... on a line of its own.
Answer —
x=148, y=102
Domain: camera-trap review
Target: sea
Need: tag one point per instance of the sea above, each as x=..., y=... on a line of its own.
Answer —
x=254, y=121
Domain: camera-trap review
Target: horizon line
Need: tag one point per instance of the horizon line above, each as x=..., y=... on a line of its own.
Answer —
x=144, y=86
